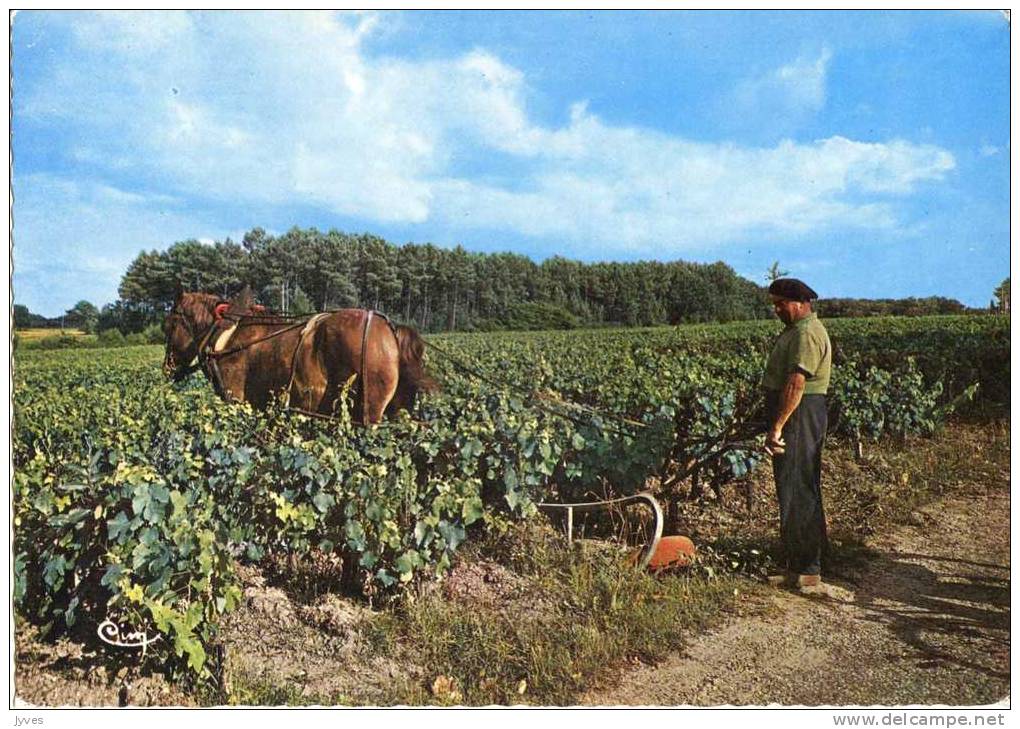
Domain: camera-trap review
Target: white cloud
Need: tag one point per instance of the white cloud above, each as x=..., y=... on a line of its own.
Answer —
x=131, y=32
x=288, y=108
x=989, y=150
x=76, y=239
x=795, y=89
x=642, y=192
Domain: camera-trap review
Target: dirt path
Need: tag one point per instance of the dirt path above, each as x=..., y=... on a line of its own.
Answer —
x=927, y=622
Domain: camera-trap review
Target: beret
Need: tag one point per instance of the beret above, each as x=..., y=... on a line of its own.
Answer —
x=793, y=289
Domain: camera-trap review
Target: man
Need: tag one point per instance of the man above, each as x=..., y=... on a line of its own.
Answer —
x=796, y=381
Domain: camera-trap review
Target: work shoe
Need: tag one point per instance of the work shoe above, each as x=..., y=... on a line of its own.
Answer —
x=809, y=580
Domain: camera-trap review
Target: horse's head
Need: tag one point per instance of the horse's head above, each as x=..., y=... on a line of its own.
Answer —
x=187, y=326
x=191, y=322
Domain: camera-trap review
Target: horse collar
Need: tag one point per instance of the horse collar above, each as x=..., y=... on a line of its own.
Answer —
x=224, y=338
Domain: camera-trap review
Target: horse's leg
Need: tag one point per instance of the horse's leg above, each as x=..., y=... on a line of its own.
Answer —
x=310, y=387
x=380, y=392
x=232, y=380
x=382, y=365
x=403, y=399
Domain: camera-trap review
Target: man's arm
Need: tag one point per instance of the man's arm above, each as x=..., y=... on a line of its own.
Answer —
x=789, y=399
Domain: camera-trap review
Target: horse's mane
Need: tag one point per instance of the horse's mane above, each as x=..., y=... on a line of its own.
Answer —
x=198, y=306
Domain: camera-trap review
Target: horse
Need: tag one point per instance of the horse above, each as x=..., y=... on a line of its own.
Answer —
x=252, y=356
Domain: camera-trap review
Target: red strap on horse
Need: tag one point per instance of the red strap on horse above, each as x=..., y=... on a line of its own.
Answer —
x=220, y=310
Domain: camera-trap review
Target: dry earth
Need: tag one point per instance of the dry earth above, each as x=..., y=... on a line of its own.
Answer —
x=927, y=621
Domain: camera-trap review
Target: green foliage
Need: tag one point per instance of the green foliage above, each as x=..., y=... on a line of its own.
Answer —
x=932, y=305
x=1002, y=297
x=873, y=402
x=25, y=319
x=133, y=497
x=956, y=351
x=130, y=316
x=438, y=289
x=530, y=316
x=775, y=272
x=84, y=316
x=154, y=334
x=301, y=304
x=111, y=338
x=22, y=316
x=60, y=341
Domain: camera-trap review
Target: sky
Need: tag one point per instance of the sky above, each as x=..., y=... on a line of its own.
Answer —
x=867, y=152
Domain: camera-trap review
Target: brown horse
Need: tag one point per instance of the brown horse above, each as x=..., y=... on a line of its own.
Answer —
x=253, y=357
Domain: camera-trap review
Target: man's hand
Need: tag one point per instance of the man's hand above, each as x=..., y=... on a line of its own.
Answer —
x=774, y=443
x=789, y=400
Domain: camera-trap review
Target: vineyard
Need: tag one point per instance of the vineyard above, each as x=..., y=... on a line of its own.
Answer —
x=136, y=500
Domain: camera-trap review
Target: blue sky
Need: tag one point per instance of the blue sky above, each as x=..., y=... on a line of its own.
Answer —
x=867, y=152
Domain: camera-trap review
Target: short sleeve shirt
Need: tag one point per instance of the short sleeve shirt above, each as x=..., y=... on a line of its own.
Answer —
x=803, y=346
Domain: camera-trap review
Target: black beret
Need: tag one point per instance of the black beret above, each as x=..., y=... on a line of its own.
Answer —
x=793, y=289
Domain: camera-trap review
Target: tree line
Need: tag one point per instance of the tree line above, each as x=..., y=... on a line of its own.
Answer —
x=837, y=308
x=447, y=289
x=83, y=315
x=433, y=288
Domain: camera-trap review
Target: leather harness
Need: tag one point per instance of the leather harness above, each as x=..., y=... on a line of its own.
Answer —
x=208, y=356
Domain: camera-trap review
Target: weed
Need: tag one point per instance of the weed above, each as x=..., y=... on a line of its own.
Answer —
x=585, y=610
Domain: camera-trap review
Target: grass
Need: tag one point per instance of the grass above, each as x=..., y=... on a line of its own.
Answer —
x=538, y=623
x=245, y=689
x=534, y=623
x=577, y=613
x=50, y=339
x=861, y=497
x=34, y=334
x=547, y=624
x=895, y=479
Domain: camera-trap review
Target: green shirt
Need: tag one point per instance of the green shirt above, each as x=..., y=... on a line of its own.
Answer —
x=804, y=346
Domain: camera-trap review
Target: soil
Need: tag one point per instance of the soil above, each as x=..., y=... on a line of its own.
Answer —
x=319, y=649
x=72, y=674
x=925, y=621
x=922, y=617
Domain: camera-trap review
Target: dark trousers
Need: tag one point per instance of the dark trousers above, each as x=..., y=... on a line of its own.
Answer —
x=798, y=474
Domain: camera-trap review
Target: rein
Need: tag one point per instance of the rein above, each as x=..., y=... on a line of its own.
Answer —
x=209, y=359
x=626, y=422
x=241, y=348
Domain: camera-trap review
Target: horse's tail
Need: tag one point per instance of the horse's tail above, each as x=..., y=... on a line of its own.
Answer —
x=412, y=354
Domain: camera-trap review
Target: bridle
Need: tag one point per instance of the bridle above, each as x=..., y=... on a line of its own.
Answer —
x=208, y=359
x=199, y=341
